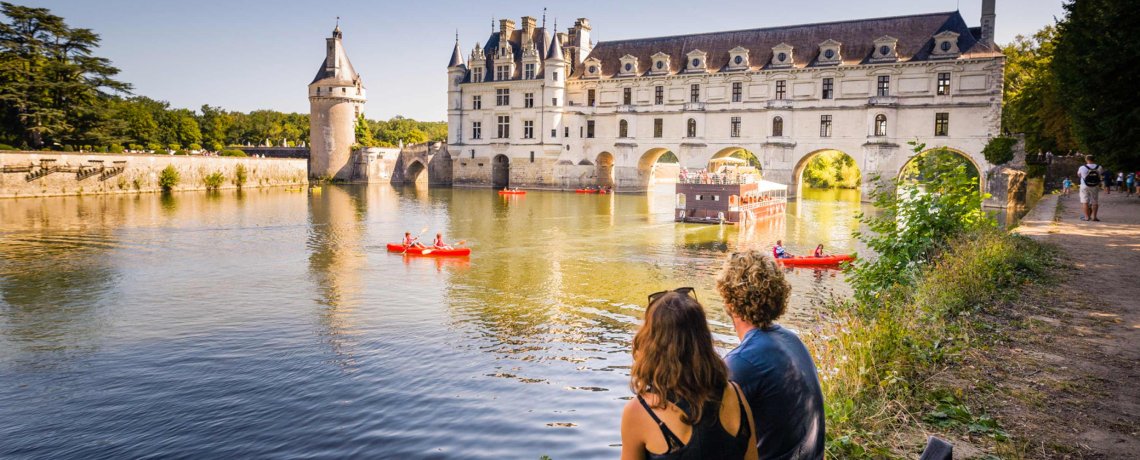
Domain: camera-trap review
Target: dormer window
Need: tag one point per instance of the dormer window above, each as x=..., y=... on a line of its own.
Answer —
x=945, y=45
x=738, y=58
x=696, y=61
x=829, y=53
x=885, y=49
x=593, y=68
x=782, y=55
x=628, y=65
x=660, y=64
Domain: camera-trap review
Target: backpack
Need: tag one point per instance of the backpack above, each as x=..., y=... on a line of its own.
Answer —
x=1092, y=179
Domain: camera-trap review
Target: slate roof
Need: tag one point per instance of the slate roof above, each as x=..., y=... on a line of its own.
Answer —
x=914, y=33
x=348, y=73
x=541, y=41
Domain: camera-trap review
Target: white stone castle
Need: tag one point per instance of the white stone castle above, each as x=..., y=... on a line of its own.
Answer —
x=544, y=109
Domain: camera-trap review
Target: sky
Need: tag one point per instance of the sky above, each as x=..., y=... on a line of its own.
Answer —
x=261, y=54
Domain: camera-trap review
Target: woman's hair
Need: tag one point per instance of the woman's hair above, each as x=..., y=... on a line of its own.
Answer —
x=753, y=287
x=674, y=358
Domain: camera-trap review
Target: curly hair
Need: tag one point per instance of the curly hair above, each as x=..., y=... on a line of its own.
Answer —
x=674, y=357
x=753, y=287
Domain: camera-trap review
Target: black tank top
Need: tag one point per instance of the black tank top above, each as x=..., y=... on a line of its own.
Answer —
x=709, y=439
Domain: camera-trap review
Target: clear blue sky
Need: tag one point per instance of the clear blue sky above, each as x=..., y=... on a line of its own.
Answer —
x=261, y=54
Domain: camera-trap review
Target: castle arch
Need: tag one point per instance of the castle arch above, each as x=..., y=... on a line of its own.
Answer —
x=830, y=168
x=500, y=171
x=912, y=169
x=414, y=173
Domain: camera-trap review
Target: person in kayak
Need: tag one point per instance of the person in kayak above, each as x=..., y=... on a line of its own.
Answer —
x=779, y=252
x=410, y=241
x=819, y=251
x=438, y=243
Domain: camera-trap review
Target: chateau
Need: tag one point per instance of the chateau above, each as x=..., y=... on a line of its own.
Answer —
x=539, y=108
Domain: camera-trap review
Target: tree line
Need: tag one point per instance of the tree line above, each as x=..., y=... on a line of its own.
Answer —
x=56, y=94
x=1069, y=88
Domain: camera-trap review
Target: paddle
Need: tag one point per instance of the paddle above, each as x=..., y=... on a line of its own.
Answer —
x=414, y=240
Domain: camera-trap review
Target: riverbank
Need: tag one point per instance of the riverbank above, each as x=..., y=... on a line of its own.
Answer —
x=40, y=174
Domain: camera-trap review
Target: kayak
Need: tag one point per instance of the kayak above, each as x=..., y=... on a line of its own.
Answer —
x=429, y=251
x=835, y=259
x=512, y=192
x=585, y=190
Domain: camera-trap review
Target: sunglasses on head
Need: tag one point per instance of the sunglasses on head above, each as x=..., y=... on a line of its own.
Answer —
x=683, y=290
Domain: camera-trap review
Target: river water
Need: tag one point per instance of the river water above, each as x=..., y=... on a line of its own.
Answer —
x=274, y=323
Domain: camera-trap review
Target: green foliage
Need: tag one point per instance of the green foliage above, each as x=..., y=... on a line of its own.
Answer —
x=918, y=216
x=214, y=180
x=999, y=150
x=6, y=147
x=390, y=133
x=363, y=133
x=168, y=178
x=181, y=152
x=1094, y=61
x=232, y=153
x=1036, y=170
x=240, y=175
x=668, y=157
x=832, y=169
x=116, y=148
x=1032, y=101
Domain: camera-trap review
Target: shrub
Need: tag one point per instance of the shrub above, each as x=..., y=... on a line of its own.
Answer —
x=116, y=148
x=154, y=146
x=214, y=180
x=1035, y=170
x=232, y=153
x=195, y=146
x=173, y=147
x=999, y=150
x=168, y=178
x=181, y=152
x=6, y=147
x=239, y=175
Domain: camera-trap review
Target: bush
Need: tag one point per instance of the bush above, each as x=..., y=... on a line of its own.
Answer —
x=239, y=175
x=999, y=150
x=168, y=178
x=232, y=153
x=214, y=180
x=6, y=147
x=116, y=148
x=1035, y=170
x=181, y=152
x=195, y=146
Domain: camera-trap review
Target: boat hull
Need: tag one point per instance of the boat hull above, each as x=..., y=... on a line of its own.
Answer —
x=429, y=251
x=816, y=261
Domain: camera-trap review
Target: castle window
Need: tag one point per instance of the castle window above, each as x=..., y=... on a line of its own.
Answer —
x=502, y=96
x=737, y=90
x=942, y=124
x=477, y=75
x=528, y=100
x=553, y=101
x=476, y=130
x=828, y=88
x=554, y=132
x=659, y=95
x=694, y=93
x=623, y=128
x=658, y=127
x=532, y=156
x=825, y=126
x=476, y=102
x=554, y=75
x=591, y=97
x=528, y=129
x=778, y=127
x=781, y=89
x=880, y=125
x=502, y=72
x=566, y=131
x=472, y=153
x=504, y=126
x=344, y=90
x=627, y=96
x=528, y=71
x=734, y=127
x=884, y=85
x=691, y=129
x=590, y=129
x=943, y=83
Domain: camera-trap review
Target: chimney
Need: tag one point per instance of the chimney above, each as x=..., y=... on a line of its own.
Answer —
x=506, y=26
x=528, y=24
x=988, y=17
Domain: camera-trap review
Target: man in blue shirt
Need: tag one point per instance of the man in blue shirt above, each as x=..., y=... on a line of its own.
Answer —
x=771, y=365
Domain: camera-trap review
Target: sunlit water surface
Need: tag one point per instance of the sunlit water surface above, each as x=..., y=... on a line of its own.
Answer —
x=274, y=323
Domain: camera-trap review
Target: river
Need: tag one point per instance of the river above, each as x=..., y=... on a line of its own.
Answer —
x=274, y=323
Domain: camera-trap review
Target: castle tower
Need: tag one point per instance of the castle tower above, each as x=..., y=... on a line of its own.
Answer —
x=554, y=91
x=336, y=99
x=456, y=74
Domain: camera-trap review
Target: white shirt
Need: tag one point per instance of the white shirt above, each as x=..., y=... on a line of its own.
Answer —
x=1084, y=171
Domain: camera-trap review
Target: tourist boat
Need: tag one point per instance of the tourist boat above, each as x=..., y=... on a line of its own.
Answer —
x=512, y=192
x=428, y=251
x=803, y=261
x=708, y=202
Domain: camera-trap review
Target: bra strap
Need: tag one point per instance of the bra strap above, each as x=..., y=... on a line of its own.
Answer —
x=671, y=439
x=745, y=428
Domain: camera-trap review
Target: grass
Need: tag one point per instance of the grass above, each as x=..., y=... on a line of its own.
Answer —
x=878, y=359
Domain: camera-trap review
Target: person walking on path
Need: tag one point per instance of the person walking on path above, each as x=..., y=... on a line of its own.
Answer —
x=1091, y=179
x=1066, y=185
x=771, y=364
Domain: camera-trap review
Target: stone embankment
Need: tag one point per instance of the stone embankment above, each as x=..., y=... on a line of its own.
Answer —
x=32, y=174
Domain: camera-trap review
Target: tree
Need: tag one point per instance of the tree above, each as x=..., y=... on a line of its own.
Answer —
x=51, y=85
x=1095, y=62
x=1031, y=98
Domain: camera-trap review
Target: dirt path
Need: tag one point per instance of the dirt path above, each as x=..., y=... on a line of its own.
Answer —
x=1067, y=381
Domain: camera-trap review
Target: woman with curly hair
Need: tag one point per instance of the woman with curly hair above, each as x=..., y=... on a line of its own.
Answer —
x=771, y=364
x=686, y=408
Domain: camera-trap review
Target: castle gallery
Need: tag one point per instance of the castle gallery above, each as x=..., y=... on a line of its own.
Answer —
x=539, y=108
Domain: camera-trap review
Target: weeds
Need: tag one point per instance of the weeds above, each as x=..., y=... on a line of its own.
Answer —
x=214, y=180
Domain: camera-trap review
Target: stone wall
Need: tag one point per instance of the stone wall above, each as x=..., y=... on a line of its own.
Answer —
x=27, y=174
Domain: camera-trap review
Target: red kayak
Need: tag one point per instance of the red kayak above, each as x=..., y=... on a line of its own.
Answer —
x=512, y=192
x=834, y=259
x=585, y=190
x=429, y=251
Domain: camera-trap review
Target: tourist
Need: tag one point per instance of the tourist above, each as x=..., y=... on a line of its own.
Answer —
x=1090, y=175
x=819, y=251
x=438, y=243
x=779, y=252
x=771, y=364
x=686, y=407
x=1066, y=185
x=1130, y=183
x=410, y=242
x=1120, y=182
